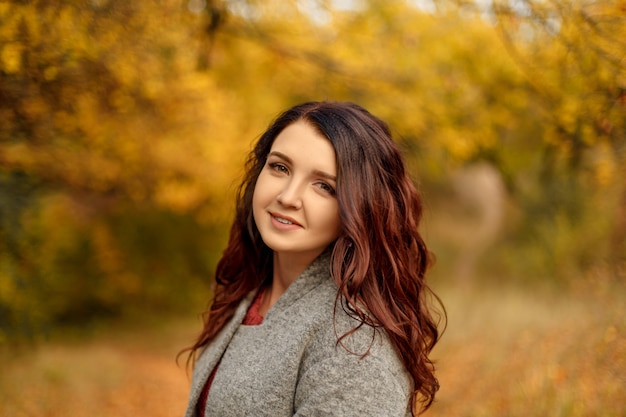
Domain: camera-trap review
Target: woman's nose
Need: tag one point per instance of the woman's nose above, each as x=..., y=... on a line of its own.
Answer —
x=291, y=195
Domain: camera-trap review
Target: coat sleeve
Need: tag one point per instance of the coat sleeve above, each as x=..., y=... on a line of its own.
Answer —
x=348, y=385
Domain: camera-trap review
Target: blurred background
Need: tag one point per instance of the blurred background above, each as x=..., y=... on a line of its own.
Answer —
x=124, y=126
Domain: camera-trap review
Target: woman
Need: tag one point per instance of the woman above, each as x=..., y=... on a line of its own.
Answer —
x=320, y=305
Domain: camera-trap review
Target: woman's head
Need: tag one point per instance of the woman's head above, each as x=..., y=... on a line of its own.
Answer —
x=369, y=167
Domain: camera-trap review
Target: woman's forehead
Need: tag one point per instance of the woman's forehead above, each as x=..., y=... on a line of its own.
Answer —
x=302, y=143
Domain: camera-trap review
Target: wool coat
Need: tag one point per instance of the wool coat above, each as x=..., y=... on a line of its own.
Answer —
x=292, y=363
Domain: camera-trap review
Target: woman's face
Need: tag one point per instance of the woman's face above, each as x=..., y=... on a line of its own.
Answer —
x=294, y=204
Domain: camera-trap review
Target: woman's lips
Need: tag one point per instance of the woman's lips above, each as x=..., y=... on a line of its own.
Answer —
x=282, y=221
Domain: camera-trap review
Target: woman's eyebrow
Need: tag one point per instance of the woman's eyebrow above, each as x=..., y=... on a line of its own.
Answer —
x=316, y=172
x=281, y=155
x=325, y=175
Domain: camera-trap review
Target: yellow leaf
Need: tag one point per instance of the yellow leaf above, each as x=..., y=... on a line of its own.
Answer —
x=11, y=57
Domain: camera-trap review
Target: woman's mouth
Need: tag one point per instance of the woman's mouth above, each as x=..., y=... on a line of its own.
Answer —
x=286, y=220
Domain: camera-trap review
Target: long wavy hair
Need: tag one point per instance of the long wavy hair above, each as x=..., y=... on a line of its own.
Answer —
x=379, y=260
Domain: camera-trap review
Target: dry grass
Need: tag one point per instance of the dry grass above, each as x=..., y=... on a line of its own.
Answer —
x=115, y=373
x=508, y=353
x=505, y=353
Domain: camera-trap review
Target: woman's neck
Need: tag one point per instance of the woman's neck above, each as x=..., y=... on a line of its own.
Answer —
x=287, y=268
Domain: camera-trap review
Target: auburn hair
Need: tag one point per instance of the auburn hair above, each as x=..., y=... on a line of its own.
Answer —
x=379, y=259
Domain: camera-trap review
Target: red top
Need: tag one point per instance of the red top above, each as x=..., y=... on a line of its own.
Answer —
x=253, y=318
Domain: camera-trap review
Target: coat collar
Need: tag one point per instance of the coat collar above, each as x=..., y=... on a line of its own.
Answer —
x=212, y=354
x=315, y=274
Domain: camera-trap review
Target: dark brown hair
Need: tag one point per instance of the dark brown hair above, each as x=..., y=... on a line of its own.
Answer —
x=379, y=259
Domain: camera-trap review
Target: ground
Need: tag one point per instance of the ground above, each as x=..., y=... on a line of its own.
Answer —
x=505, y=353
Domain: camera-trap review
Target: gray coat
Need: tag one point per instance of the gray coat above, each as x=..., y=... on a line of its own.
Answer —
x=291, y=364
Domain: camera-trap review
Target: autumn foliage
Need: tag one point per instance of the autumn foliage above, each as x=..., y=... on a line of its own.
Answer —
x=124, y=124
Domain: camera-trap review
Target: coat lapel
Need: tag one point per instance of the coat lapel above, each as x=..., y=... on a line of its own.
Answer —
x=212, y=354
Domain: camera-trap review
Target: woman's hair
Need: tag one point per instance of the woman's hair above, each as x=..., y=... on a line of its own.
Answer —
x=379, y=259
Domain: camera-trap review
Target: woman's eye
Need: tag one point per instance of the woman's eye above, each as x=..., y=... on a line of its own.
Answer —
x=327, y=188
x=278, y=167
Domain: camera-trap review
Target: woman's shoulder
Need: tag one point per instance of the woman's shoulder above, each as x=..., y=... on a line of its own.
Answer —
x=341, y=332
x=351, y=359
x=316, y=311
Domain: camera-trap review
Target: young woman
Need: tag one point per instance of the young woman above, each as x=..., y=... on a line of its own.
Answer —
x=320, y=306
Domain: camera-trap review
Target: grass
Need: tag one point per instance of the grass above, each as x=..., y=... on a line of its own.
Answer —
x=506, y=352
x=122, y=370
x=514, y=353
